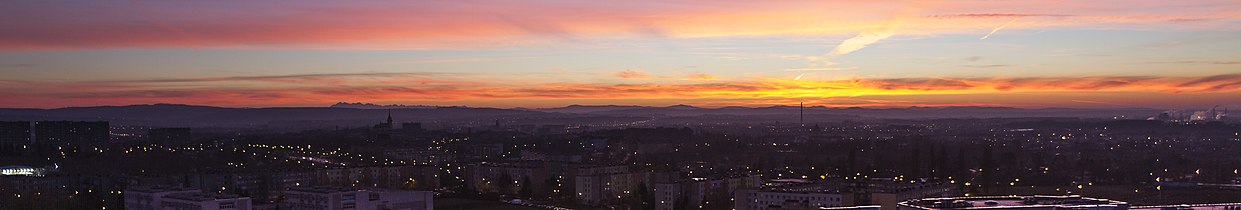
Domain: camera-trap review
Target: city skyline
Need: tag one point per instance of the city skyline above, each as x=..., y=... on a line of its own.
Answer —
x=1029, y=54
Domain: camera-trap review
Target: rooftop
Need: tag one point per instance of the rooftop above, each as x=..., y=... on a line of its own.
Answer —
x=199, y=196
x=322, y=189
x=808, y=187
x=851, y=208
x=999, y=202
x=1214, y=206
x=156, y=189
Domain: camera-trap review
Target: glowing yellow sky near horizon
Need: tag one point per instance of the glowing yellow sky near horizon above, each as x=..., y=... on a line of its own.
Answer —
x=395, y=88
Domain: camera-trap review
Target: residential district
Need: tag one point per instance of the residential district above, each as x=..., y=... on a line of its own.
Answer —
x=1165, y=162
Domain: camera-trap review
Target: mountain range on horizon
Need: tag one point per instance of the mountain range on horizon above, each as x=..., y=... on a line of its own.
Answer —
x=592, y=108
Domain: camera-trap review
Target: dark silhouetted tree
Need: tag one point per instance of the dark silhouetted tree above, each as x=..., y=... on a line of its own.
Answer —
x=506, y=184
x=525, y=188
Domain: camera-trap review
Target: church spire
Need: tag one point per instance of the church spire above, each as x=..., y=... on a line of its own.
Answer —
x=389, y=117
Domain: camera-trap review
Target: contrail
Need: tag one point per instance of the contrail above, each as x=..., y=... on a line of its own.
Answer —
x=997, y=29
x=860, y=41
x=869, y=35
x=850, y=45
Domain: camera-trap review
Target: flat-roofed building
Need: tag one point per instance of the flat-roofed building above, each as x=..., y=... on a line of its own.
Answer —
x=807, y=194
x=320, y=198
x=887, y=193
x=150, y=198
x=204, y=201
x=338, y=198
x=803, y=196
x=399, y=200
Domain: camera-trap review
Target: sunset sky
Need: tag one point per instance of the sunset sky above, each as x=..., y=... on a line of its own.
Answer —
x=547, y=53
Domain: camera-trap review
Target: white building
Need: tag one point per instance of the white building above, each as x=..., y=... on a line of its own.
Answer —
x=602, y=189
x=700, y=191
x=787, y=199
x=805, y=194
x=204, y=201
x=792, y=194
x=667, y=195
x=150, y=198
x=335, y=198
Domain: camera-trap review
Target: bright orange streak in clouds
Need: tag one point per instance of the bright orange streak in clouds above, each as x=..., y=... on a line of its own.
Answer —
x=456, y=24
x=295, y=90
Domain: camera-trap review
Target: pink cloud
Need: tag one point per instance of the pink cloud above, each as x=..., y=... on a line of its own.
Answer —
x=632, y=74
x=700, y=76
x=44, y=25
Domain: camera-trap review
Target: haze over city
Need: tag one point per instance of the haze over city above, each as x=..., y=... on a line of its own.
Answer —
x=620, y=105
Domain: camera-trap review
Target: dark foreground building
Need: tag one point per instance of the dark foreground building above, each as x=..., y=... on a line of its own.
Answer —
x=71, y=132
x=14, y=132
x=168, y=135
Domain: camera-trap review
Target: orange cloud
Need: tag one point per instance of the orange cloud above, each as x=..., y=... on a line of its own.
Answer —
x=326, y=89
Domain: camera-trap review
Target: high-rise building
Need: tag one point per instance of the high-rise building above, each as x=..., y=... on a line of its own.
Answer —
x=700, y=191
x=506, y=177
x=604, y=185
x=71, y=132
x=14, y=132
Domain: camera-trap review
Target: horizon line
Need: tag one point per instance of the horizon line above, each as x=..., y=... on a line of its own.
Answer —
x=414, y=106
